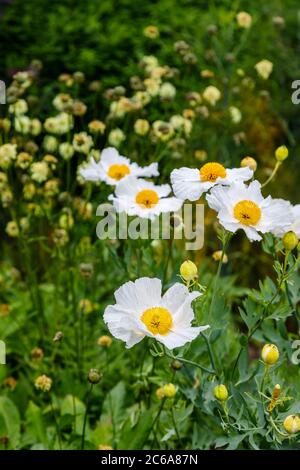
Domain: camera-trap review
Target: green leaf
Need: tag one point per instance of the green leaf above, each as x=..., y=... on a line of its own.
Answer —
x=134, y=437
x=73, y=406
x=34, y=424
x=10, y=422
x=113, y=405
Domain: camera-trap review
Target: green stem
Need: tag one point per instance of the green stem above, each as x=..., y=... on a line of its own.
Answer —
x=85, y=416
x=226, y=239
x=155, y=420
x=191, y=363
x=56, y=423
x=175, y=426
x=272, y=174
x=210, y=353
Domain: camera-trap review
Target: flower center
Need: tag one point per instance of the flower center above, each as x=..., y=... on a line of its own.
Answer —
x=212, y=171
x=117, y=172
x=158, y=320
x=147, y=198
x=247, y=212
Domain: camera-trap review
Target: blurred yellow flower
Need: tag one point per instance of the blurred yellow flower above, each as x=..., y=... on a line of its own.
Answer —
x=141, y=126
x=244, y=20
x=151, y=32
x=212, y=95
x=43, y=383
x=264, y=68
x=39, y=171
x=217, y=256
x=105, y=341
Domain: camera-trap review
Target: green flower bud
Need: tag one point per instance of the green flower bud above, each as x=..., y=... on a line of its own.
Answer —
x=94, y=376
x=221, y=393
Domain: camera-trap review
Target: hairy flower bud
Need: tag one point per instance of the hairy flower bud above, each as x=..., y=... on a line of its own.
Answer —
x=188, y=271
x=292, y=424
x=221, y=393
x=250, y=162
x=94, y=376
x=270, y=354
x=290, y=241
x=169, y=390
x=281, y=153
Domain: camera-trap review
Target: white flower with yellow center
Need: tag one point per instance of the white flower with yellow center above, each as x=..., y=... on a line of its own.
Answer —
x=141, y=310
x=243, y=207
x=112, y=168
x=143, y=198
x=191, y=183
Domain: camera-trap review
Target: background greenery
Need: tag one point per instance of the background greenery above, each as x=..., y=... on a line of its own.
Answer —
x=104, y=39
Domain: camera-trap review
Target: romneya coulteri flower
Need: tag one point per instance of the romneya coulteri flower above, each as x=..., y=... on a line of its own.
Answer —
x=144, y=198
x=191, y=183
x=244, y=207
x=113, y=167
x=141, y=310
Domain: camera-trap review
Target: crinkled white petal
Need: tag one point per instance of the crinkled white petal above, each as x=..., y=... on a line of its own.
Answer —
x=91, y=171
x=186, y=184
x=139, y=295
x=123, y=325
x=236, y=174
x=110, y=156
x=178, y=297
x=178, y=338
x=296, y=220
x=277, y=216
x=146, y=171
x=125, y=198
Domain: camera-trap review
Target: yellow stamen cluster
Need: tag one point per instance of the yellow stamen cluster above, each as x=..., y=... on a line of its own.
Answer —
x=117, y=172
x=212, y=171
x=247, y=212
x=158, y=320
x=147, y=198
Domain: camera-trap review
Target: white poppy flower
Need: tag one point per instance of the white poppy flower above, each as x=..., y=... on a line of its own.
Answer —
x=112, y=168
x=143, y=198
x=243, y=207
x=141, y=310
x=295, y=221
x=191, y=183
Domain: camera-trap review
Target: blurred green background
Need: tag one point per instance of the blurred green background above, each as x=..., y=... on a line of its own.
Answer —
x=104, y=39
